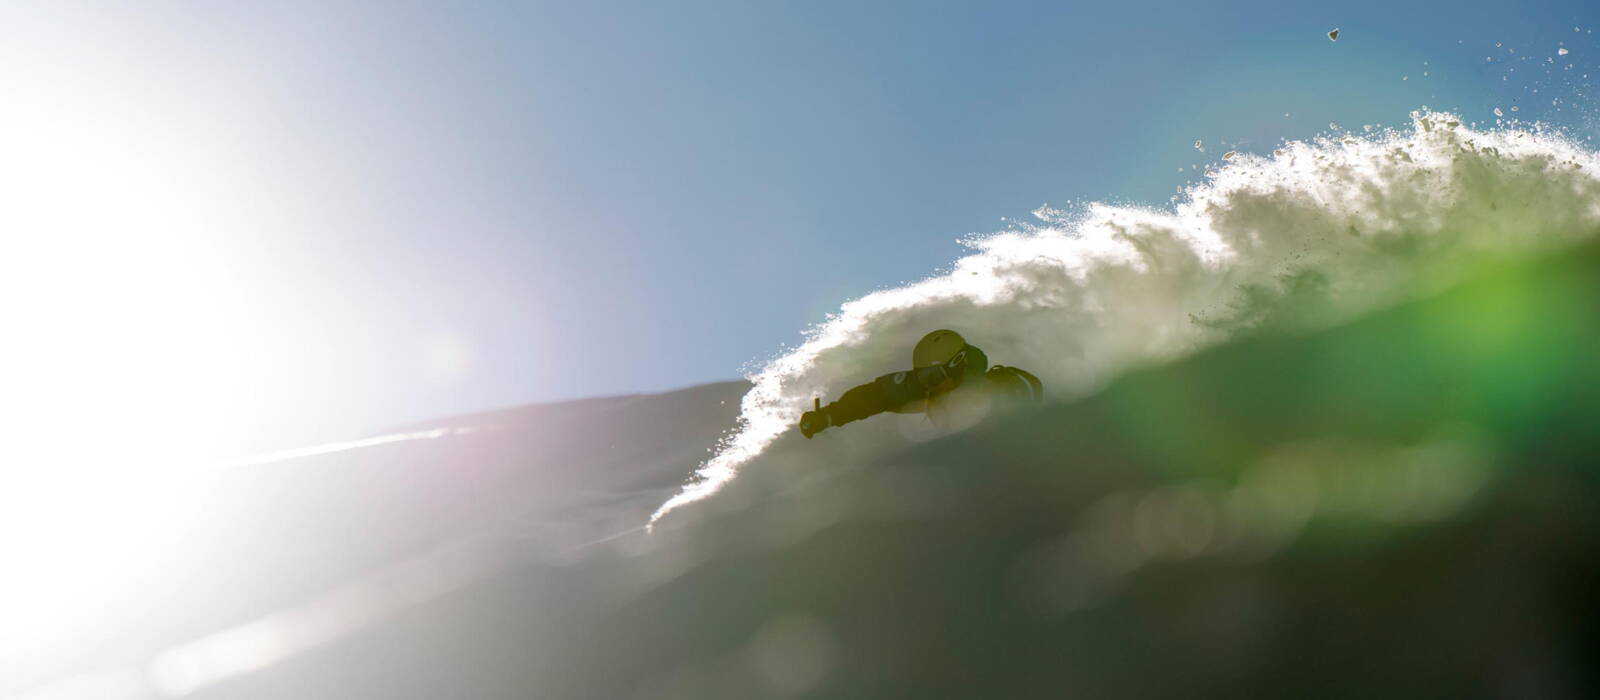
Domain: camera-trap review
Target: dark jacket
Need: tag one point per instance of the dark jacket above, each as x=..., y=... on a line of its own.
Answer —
x=908, y=392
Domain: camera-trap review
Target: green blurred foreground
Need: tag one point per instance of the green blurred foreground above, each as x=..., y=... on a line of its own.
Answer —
x=1405, y=506
x=1401, y=507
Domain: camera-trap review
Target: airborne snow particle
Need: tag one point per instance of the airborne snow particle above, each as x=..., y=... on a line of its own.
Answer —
x=1198, y=146
x=1562, y=52
x=1230, y=155
x=1498, y=113
x=1333, y=35
x=1513, y=108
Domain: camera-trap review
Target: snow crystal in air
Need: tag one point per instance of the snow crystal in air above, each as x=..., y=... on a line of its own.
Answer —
x=1562, y=52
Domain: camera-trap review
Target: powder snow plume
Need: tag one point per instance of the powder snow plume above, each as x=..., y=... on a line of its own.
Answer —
x=1319, y=231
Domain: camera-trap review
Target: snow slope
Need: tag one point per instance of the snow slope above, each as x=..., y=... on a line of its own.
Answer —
x=284, y=529
x=1397, y=507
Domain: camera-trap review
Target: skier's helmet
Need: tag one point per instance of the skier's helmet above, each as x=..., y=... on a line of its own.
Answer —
x=937, y=348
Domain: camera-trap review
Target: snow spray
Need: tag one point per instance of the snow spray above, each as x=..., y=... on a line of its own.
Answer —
x=1316, y=232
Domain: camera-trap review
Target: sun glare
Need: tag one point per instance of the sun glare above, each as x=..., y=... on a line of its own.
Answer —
x=126, y=364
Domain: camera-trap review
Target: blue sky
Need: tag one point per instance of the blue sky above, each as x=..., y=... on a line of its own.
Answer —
x=433, y=208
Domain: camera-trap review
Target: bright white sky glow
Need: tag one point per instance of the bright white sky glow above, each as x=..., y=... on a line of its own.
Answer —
x=127, y=363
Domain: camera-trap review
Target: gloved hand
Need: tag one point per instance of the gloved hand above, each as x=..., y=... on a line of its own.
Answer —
x=813, y=422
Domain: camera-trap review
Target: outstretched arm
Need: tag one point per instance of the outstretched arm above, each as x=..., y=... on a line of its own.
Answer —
x=885, y=393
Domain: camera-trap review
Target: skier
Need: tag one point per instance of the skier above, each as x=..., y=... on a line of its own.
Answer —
x=951, y=382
